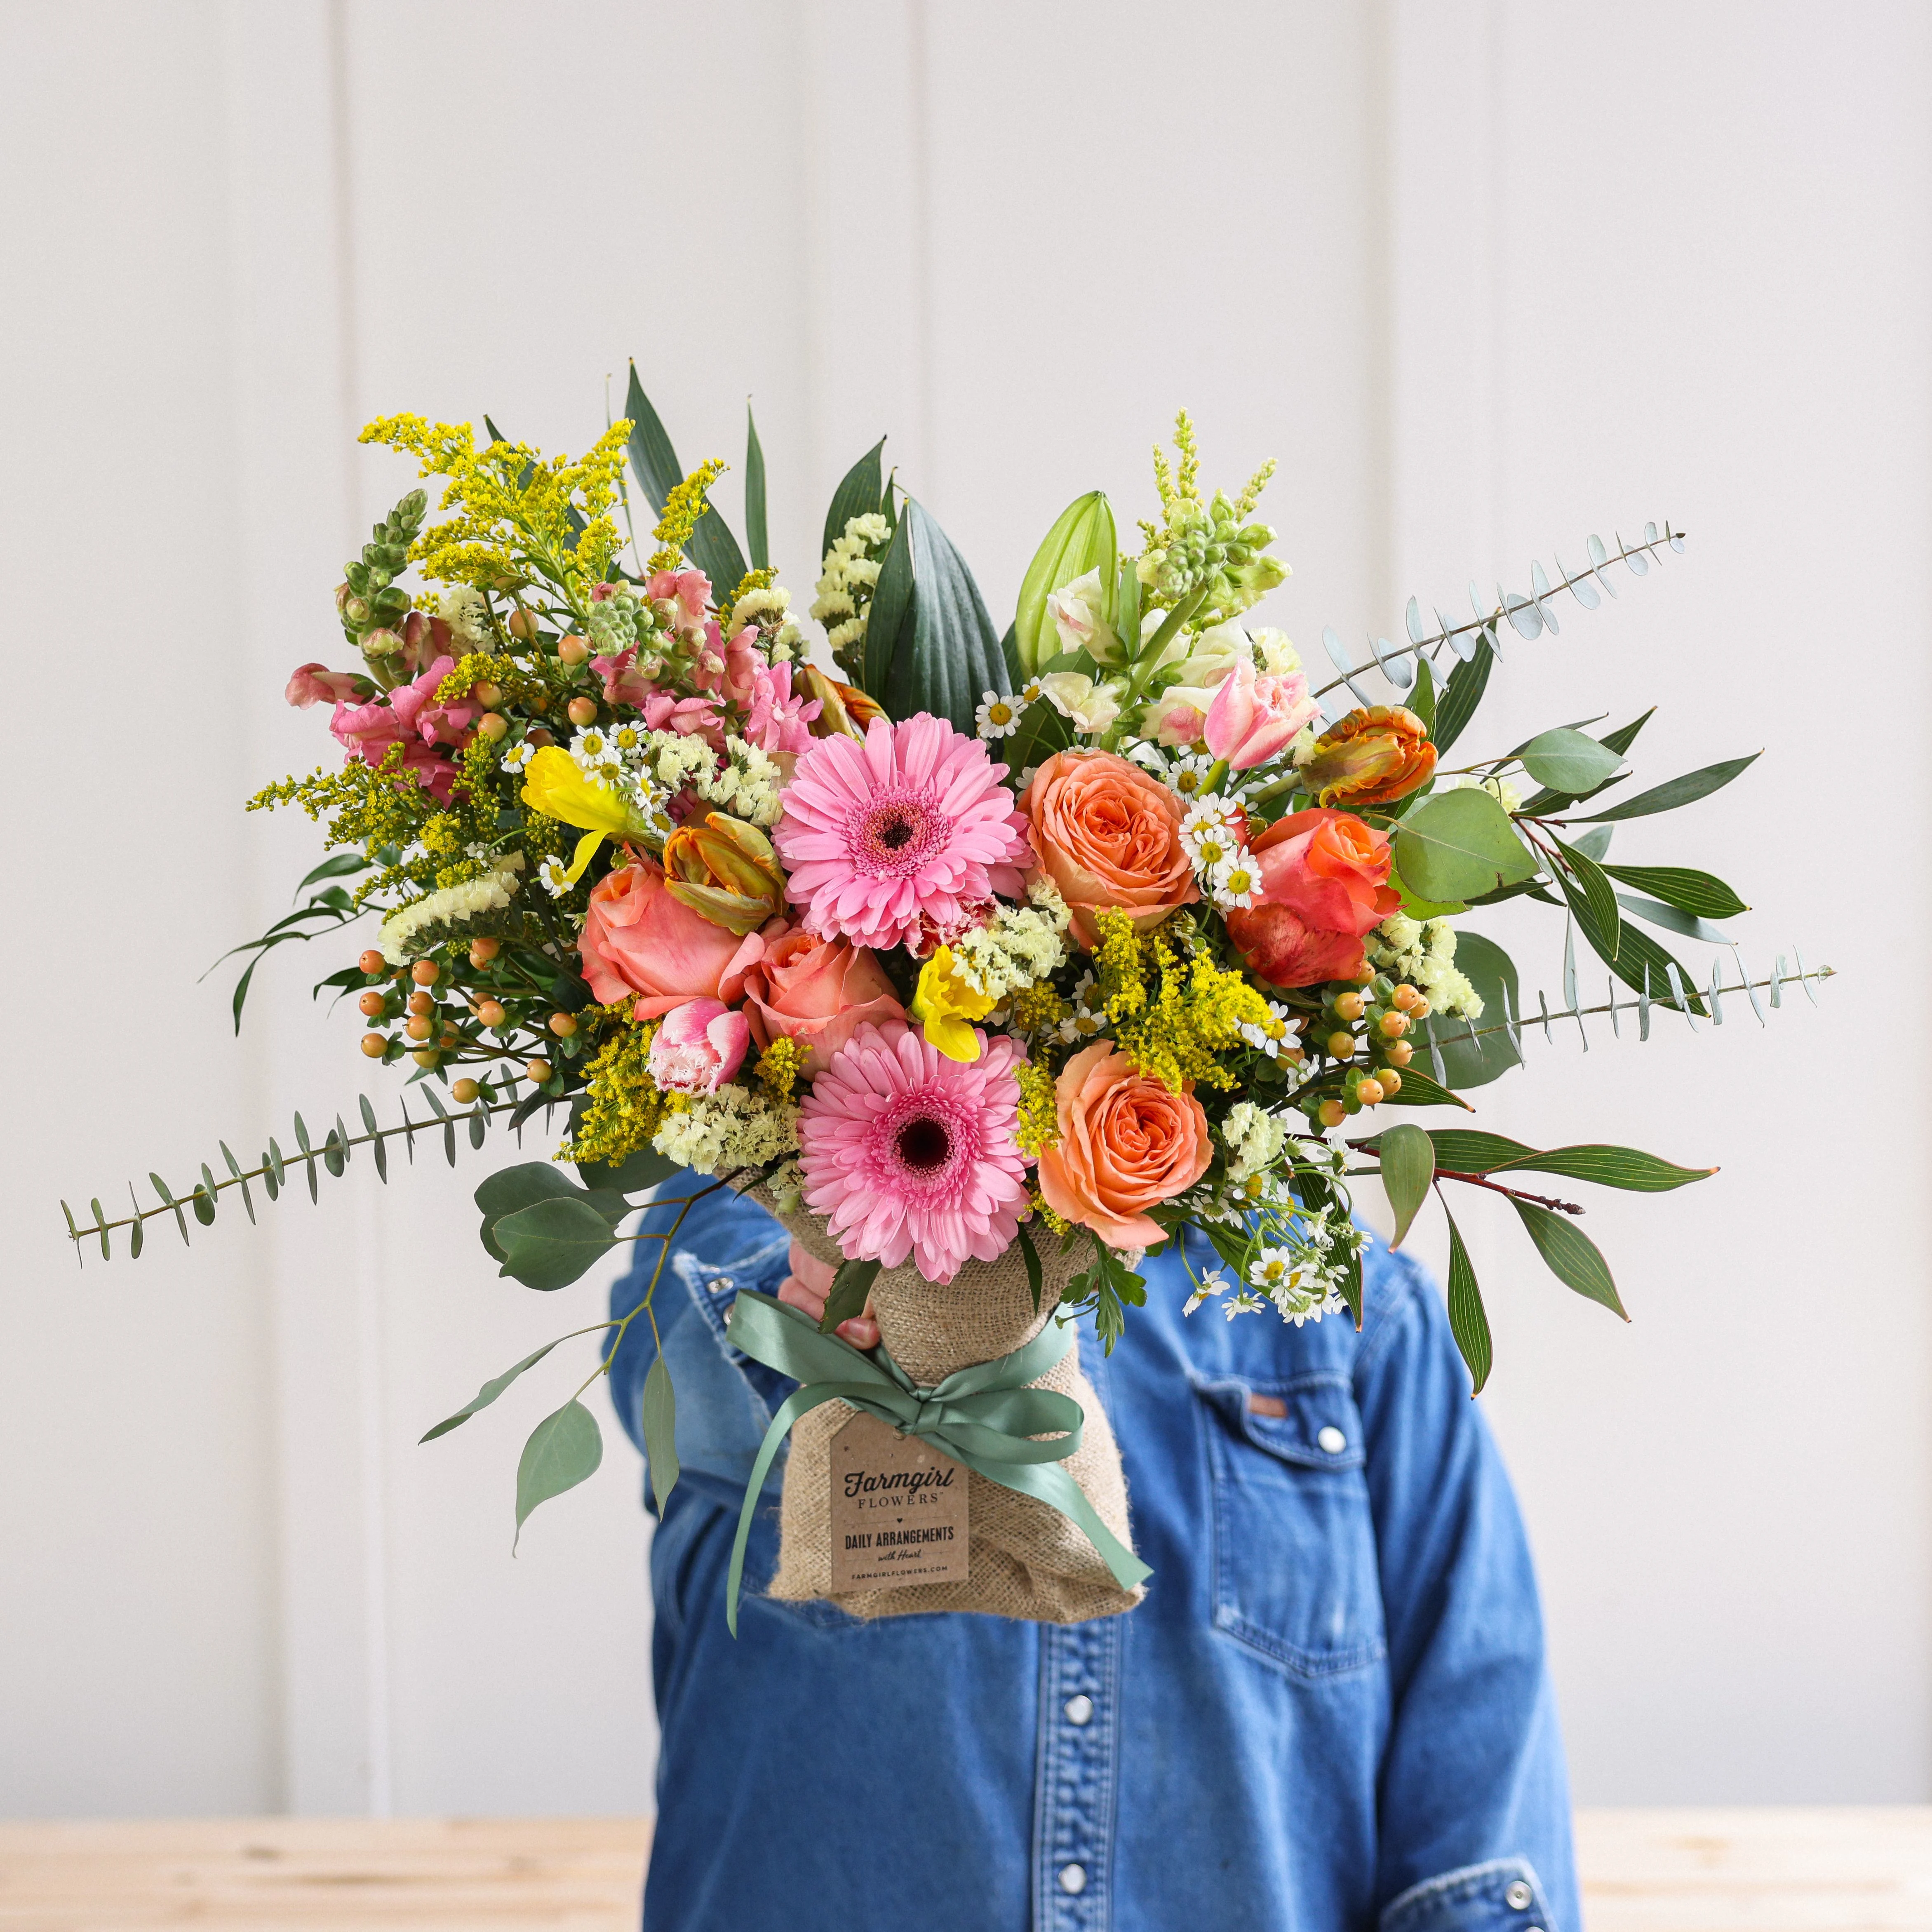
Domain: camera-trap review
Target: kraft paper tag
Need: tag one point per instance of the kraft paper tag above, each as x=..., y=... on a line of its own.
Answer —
x=898, y=1510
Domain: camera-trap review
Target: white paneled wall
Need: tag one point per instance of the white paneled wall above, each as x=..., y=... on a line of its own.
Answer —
x=1484, y=276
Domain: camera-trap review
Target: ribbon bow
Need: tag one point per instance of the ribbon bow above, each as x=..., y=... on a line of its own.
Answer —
x=981, y=1417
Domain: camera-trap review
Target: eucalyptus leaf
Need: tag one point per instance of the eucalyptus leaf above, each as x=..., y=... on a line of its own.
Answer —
x=1458, y=845
x=564, y=1450
x=552, y=1244
x=1569, y=1254
x=1693, y=785
x=488, y=1393
x=1596, y=842
x=1472, y=1058
x=659, y=1407
x=637, y=1173
x=1469, y=1322
x=1569, y=761
x=1409, y=1165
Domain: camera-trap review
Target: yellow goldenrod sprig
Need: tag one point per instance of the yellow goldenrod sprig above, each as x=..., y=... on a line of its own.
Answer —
x=683, y=508
x=780, y=1065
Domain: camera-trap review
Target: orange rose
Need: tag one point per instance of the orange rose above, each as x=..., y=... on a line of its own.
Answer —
x=1325, y=885
x=819, y=991
x=1127, y=1144
x=1107, y=834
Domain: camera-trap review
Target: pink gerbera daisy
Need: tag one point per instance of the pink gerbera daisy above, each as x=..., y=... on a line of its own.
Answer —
x=907, y=1152
x=913, y=823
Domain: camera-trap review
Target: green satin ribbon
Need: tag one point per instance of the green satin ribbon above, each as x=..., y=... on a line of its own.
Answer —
x=981, y=1417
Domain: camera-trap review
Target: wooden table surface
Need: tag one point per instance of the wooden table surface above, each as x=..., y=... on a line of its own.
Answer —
x=1755, y=1870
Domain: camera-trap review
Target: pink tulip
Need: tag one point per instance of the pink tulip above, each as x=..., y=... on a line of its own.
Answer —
x=316, y=684
x=1254, y=718
x=638, y=939
x=698, y=1047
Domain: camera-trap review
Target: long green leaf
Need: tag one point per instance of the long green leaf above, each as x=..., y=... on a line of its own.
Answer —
x=1462, y=694
x=564, y=1450
x=1082, y=538
x=857, y=495
x=1628, y=1168
x=1419, y=1090
x=1468, y=1321
x=486, y=1394
x=1598, y=893
x=947, y=655
x=1633, y=956
x=659, y=1406
x=1471, y=1151
x=757, y=533
x=1672, y=920
x=1569, y=1254
x=1693, y=785
x=1035, y=1280
x=888, y=618
x=1679, y=886
x=653, y=461
x=1408, y=1166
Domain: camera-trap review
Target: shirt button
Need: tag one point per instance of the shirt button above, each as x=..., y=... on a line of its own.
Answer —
x=1518, y=1897
x=719, y=1283
x=1080, y=1710
x=1332, y=1440
x=1073, y=1879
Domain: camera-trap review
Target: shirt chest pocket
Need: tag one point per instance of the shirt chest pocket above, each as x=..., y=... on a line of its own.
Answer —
x=1295, y=1577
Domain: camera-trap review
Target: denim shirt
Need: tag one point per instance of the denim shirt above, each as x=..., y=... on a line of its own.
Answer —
x=1332, y=1710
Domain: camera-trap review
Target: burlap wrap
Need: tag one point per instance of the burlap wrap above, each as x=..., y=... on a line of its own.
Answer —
x=1028, y=1561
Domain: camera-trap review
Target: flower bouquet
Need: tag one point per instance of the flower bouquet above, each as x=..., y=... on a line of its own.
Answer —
x=987, y=963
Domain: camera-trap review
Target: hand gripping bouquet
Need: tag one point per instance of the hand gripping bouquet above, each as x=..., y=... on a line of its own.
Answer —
x=987, y=964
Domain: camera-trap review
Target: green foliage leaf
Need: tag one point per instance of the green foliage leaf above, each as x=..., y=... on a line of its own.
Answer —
x=637, y=1173
x=1693, y=785
x=1632, y=956
x=1419, y=1090
x=1082, y=538
x=1462, y=694
x=1628, y=1168
x=849, y=1287
x=1458, y=845
x=857, y=495
x=1599, y=895
x=1409, y=1165
x=1474, y=1053
x=1569, y=1254
x=1678, y=885
x=1035, y=1281
x=564, y=1450
x=1624, y=736
x=488, y=1393
x=531, y=1181
x=1421, y=698
x=1568, y=761
x=1471, y=1151
x=1416, y=908
x=550, y=1244
x=757, y=533
x=1468, y=1321
x=712, y=547
x=945, y=654
x=659, y=1406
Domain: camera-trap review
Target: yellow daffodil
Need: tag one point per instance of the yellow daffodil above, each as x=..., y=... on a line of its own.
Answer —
x=557, y=786
x=945, y=1006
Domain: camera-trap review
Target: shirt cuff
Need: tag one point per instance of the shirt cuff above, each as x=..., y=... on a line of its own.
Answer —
x=1503, y=1895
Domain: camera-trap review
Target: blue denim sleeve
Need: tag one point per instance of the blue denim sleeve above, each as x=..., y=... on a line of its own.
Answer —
x=1474, y=1802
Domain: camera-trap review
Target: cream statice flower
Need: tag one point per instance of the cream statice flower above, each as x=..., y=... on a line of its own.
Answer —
x=1019, y=946
x=747, y=783
x=849, y=576
x=1254, y=1139
x=462, y=608
x=766, y=606
x=1507, y=795
x=997, y=716
x=412, y=927
x=733, y=1128
x=1425, y=956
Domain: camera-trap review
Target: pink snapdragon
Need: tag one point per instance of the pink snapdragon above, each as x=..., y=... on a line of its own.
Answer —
x=410, y=716
x=624, y=683
x=689, y=717
x=316, y=684
x=744, y=662
x=690, y=592
x=698, y=1047
x=1254, y=718
x=777, y=721
x=434, y=723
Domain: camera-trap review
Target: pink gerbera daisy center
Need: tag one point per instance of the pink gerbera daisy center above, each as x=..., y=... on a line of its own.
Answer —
x=896, y=835
x=921, y=1143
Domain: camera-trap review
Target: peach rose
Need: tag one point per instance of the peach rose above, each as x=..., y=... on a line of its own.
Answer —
x=637, y=938
x=1127, y=1144
x=1107, y=834
x=1325, y=879
x=817, y=990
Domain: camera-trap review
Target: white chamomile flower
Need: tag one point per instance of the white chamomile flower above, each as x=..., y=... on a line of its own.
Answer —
x=998, y=715
x=1272, y=1036
x=519, y=755
x=1212, y=1283
x=1272, y=1269
x=1212, y=810
x=591, y=747
x=1028, y=693
x=1189, y=773
x=627, y=738
x=1082, y=1021
x=1246, y=1302
x=554, y=875
x=1236, y=880
x=1211, y=847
